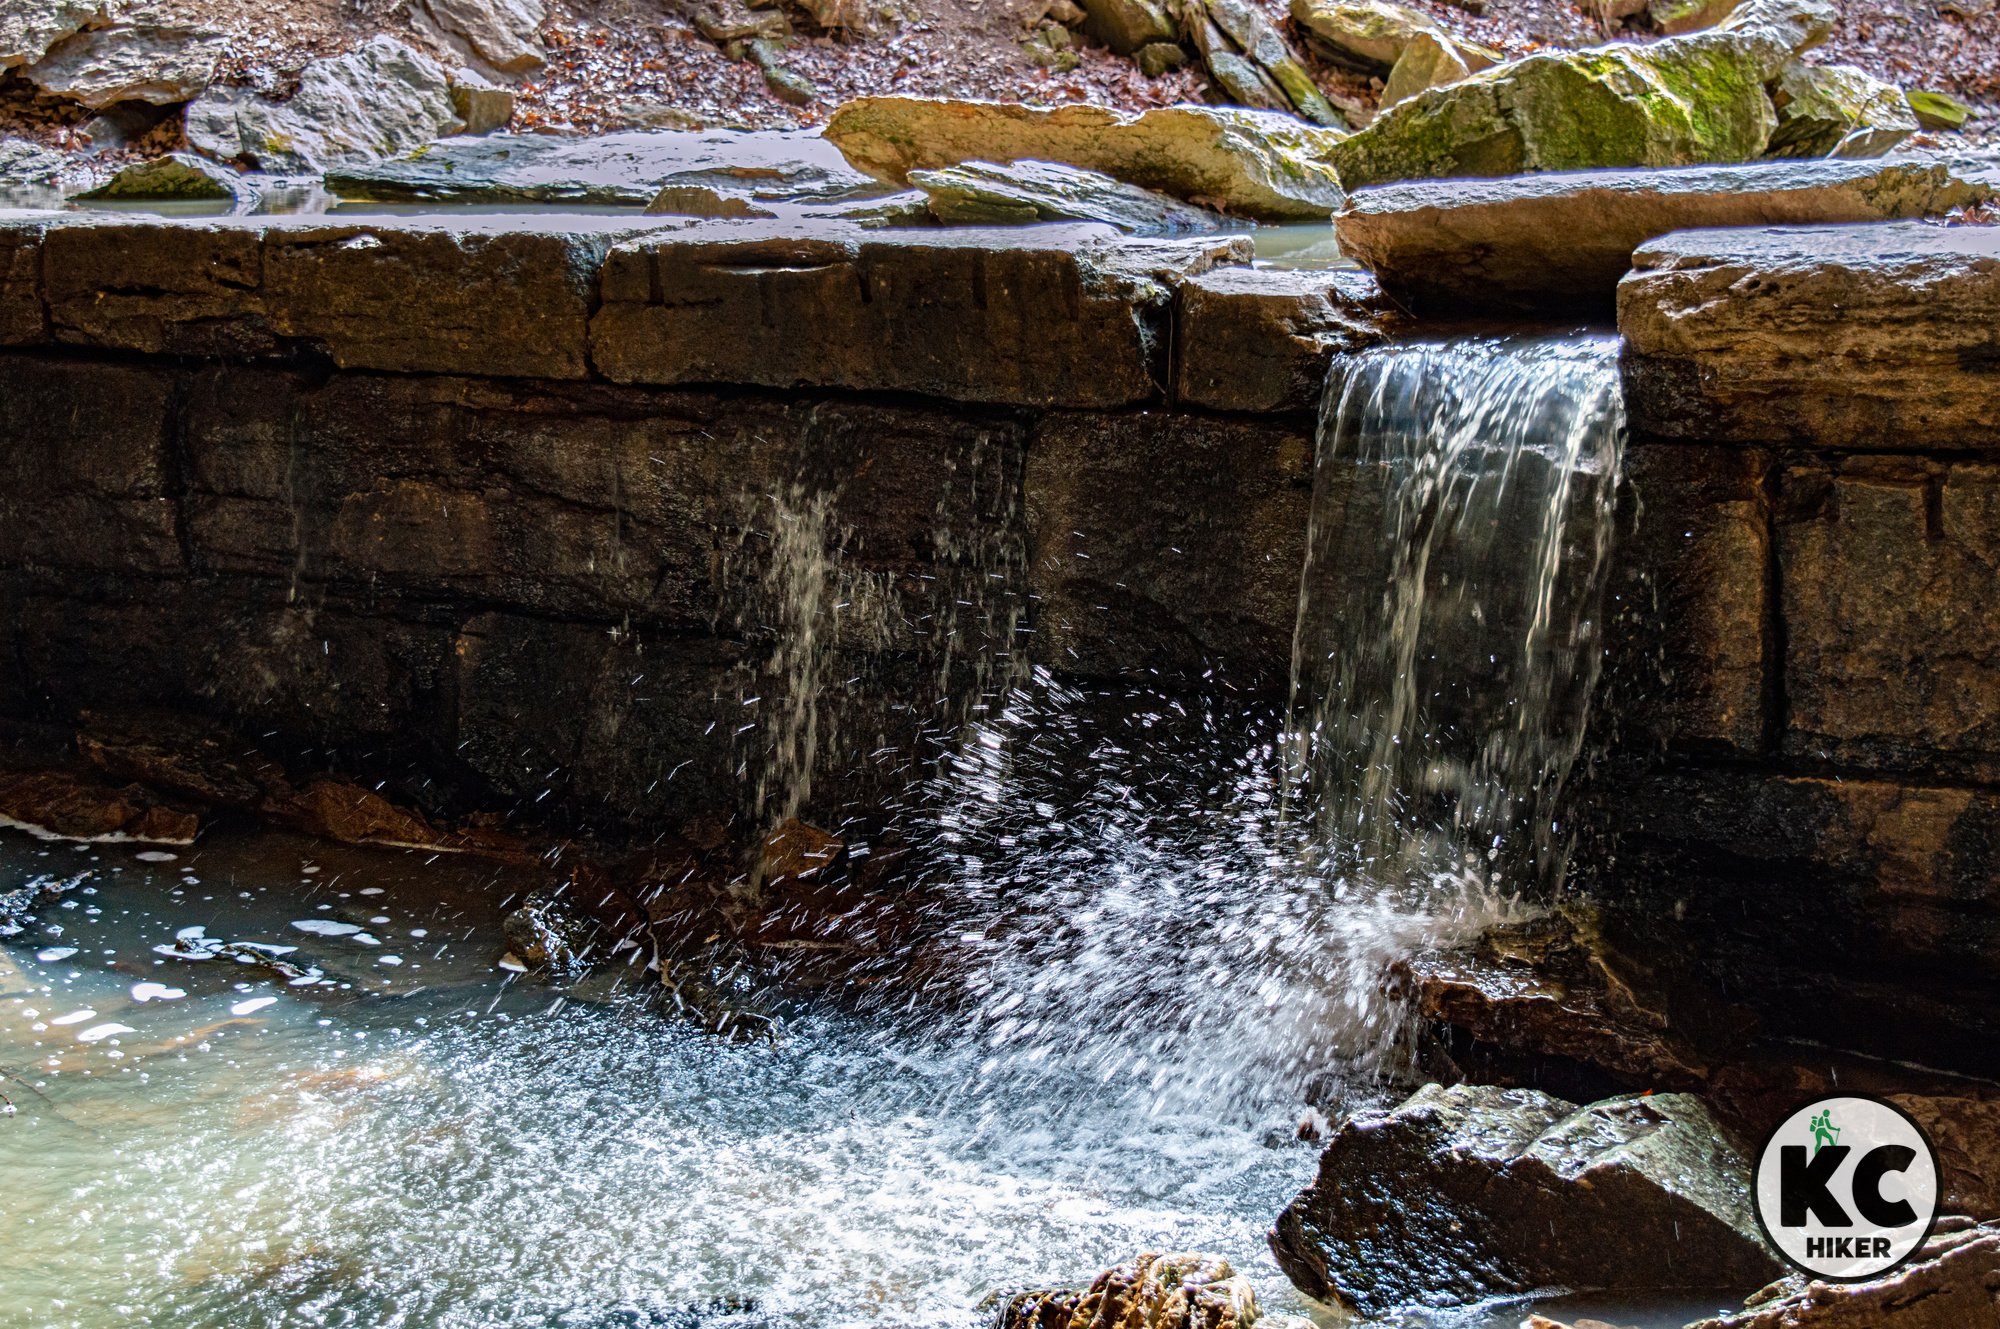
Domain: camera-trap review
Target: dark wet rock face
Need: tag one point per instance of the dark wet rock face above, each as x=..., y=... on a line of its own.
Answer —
x=1954, y=1283
x=1474, y=1191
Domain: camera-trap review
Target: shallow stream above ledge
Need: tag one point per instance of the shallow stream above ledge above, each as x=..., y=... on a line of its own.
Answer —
x=440, y=1142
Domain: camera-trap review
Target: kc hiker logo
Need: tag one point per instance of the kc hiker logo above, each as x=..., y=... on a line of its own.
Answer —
x=1847, y=1188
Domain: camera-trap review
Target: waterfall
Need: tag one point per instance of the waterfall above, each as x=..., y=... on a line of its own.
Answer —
x=1450, y=611
x=1188, y=902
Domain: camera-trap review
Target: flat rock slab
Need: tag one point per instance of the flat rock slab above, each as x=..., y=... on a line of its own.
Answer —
x=1562, y=241
x=1473, y=1191
x=628, y=169
x=1037, y=316
x=1260, y=339
x=489, y=296
x=1872, y=337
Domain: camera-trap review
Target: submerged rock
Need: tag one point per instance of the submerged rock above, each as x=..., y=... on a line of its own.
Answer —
x=1252, y=163
x=1564, y=240
x=629, y=168
x=549, y=933
x=1837, y=111
x=1469, y=1192
x=379, y=100
x=984, y=194
x=1679, y=101
x=159, y=63
x=1953, y=1283
x=1178, y=1291
x=177, y=175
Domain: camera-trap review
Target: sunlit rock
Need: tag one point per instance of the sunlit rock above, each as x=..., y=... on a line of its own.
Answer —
x=1464, y=1193
x=623, y=169
x=28, y=28
x=1679, y=101
x=1563, y=239
x=130, y=62
x=380, y=100
x=1252, y=163
x=503, y=35
x=1019, y=193
x=1175, y=1291
x=1427, y=62
x=1837, y=111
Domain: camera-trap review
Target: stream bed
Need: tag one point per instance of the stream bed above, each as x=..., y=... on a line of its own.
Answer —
x=422, y=1138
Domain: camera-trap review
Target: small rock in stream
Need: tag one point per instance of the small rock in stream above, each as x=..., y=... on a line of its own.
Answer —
x=1178, y=1291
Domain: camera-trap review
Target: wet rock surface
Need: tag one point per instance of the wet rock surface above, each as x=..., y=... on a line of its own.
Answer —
x=1675, y=102
x=1171, y=1291
x=1024, y=192
x=1953, y=1283
x=1463, y=1193
x=1563, y=240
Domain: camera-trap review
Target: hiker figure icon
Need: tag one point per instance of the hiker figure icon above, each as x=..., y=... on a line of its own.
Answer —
x=1824, y=1131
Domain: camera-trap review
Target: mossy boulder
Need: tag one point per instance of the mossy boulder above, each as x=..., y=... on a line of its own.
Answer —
x=1259, y=164
x=1675, y=102
x=1837, y=111
x=177, y=175
x=1935, y=110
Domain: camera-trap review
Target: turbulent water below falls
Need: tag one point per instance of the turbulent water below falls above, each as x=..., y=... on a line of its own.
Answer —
x=1157, y=926
x=438, y=1143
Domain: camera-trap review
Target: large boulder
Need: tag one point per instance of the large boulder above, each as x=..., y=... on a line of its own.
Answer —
x=624, y=169
x=28, y=28
x=1252, y=163
x=164, y=64
x=1675, y=102
x=1563, y=240
x=1954, y=1283
x=983, y=194
x=380, y=100
x=1837, y=111
x=1517, y=1191
x=503, y=35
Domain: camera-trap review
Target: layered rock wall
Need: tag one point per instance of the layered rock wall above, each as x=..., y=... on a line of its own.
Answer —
x=1811, y=767
x=557, y=513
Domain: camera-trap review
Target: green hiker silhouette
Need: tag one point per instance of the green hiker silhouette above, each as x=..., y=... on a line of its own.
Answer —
x=1824, y=1131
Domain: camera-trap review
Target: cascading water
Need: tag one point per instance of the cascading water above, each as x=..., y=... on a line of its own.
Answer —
x=1450, y=611
x=1160, y=915
x=1192, y=903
